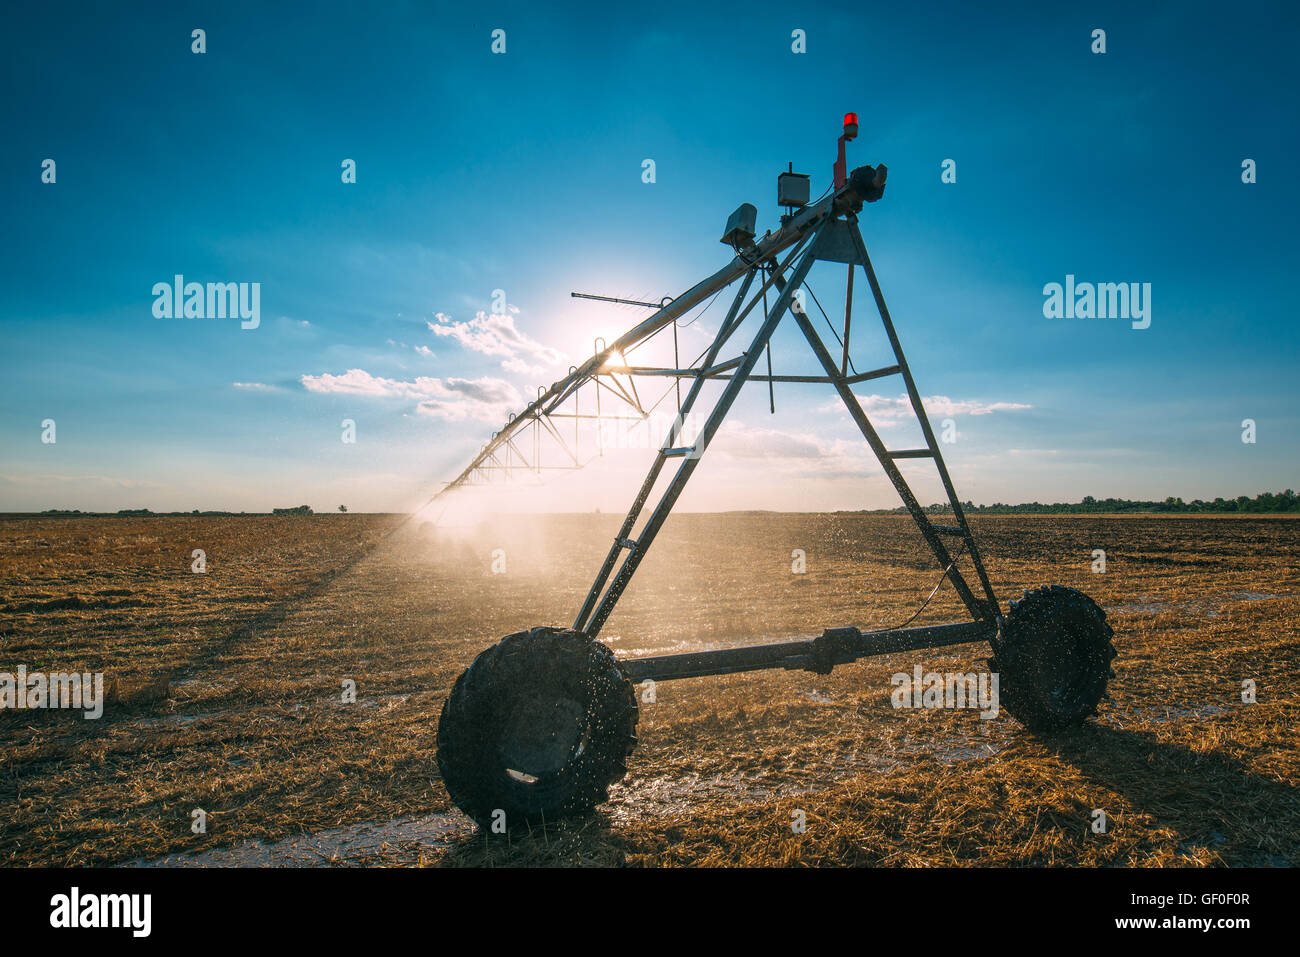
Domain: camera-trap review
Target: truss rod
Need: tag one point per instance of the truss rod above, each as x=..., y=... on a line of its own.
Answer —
x=647, y=486
x=625, y=302
x=591, y=622
x=919, y=407
x=790, y=234
x=887, y=463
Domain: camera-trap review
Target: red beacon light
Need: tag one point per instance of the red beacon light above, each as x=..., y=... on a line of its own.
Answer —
x=840, y=171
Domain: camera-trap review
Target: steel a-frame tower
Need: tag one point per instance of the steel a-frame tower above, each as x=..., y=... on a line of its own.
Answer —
x=543, y=721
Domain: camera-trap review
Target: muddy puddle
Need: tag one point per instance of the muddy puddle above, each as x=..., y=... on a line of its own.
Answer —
x=1119, y=716
x=357, y=844
x=1209, y=608
x=638, y=798
x=663, y=796
x=176, y=720
x=376, y=703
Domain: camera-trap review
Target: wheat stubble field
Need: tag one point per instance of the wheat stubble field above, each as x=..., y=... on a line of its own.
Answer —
x=226, y=693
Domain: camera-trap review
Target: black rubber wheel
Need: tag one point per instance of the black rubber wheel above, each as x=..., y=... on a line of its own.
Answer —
x=1053, y=656
x=538, y=726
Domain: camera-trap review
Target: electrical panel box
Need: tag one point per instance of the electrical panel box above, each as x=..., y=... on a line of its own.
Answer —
x=741, y=226
x=792, y=189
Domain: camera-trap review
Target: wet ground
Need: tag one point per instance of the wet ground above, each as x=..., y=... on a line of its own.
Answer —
x=229, y=693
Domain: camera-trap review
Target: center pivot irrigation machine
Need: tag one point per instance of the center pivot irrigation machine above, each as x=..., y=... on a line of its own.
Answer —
x=542, y=723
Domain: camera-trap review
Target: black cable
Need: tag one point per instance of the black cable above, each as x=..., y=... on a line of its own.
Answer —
x=942, y=579
x=830, y=325
x=683, y=325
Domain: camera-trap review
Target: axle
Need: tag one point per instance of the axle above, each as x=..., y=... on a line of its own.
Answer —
x=834, y=646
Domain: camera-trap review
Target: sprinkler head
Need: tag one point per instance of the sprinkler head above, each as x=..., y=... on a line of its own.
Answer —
x=866, y=184
x=869, y=182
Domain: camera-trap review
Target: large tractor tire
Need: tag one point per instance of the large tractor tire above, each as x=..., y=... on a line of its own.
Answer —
x=537, y=727
x=1053, y=655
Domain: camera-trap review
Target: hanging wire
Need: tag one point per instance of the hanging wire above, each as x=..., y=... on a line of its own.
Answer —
x=771, y=389
x=683, y=325
x=829, y=325
x=938, y=585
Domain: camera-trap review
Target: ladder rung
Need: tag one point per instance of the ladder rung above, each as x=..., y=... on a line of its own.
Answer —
x=671, y=453
x=722, y=366
x=873, y=374
x=627, y=543
x=911, y=454
x=949, y=530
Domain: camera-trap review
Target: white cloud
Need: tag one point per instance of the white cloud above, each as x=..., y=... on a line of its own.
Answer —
x=494, y=334
x=742, y=441
x=426, y=352
x=256, y=386
x=521, y=367
x=887, y=411
x=360, y=382
x=794, y=453
x=484, y=398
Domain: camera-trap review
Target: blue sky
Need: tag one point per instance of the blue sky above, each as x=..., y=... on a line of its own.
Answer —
x=522, y=172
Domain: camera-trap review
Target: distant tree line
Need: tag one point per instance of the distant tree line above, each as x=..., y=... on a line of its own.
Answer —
x=128, y=512
x=1264, y=503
